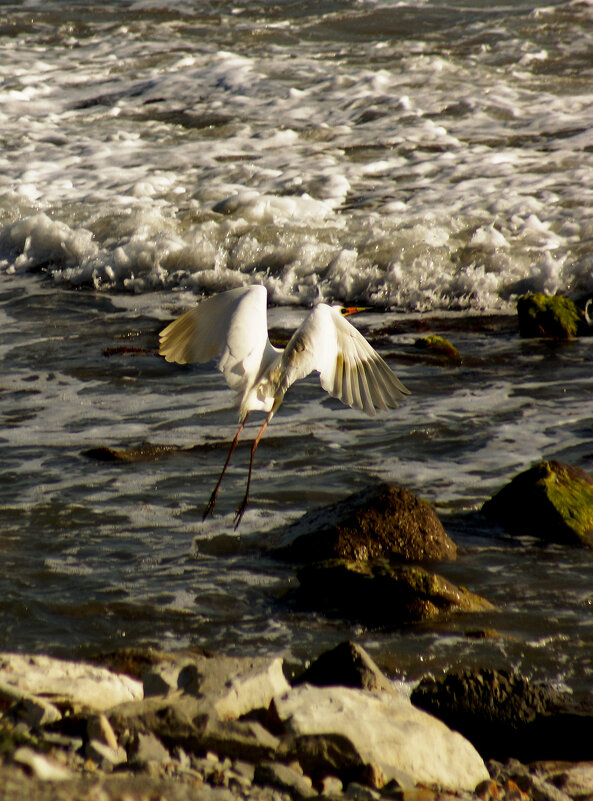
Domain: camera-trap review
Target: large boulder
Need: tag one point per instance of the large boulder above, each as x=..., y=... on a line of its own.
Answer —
x=233, y=685
x=76, y=683
x=379, y=594
x=551, y=500
x=381, y=521
x=355, y=729
x=505, y=715
x=552, y=316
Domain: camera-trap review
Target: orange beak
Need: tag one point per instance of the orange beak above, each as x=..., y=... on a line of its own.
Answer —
x=353, y=310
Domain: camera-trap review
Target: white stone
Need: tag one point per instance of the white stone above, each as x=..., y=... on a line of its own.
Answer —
x=103, y=754
x=385, y=729
x=41, y=767
x=30, y=709
x=85, y=684
x=253, y=689
x=99, y=728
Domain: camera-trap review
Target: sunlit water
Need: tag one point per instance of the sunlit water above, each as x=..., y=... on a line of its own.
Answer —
x=429, y=160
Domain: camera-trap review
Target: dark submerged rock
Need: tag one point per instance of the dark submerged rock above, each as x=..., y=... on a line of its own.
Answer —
x=551, y=500
x=381, y=521
x=552, y=316
x=380, y=594
x=507, y=716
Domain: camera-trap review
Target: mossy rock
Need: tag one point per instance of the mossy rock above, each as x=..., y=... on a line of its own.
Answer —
x=439, y=347
x=551, y=500
x=552, y=316
x=380, y=594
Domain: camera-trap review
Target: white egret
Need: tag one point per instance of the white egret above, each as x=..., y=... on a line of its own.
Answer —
x=232, y=328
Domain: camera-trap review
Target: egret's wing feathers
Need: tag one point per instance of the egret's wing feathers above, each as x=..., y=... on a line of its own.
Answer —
x=370, y=382
x=349, y=368
x=231, y=327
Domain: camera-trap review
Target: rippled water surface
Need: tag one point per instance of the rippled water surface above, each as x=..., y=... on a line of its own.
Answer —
x=430, y=160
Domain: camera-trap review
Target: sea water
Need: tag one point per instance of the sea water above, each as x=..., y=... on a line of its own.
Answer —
x=430, y=160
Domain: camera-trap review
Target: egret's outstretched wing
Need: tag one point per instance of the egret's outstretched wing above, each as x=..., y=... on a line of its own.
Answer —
x=349, y=368
x=231, y=327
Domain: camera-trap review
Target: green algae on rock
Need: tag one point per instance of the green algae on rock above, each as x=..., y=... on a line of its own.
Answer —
x=551, y=500
x=381, y=594
x=439, y=347
x=552, y=316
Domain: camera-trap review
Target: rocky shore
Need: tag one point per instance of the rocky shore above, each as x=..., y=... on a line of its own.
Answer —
x=189, y=725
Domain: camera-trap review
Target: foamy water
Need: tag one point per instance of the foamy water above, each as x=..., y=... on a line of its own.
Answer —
x=420, y=156
x=430, y=161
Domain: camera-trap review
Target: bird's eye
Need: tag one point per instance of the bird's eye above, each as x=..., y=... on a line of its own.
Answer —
x=343, y=311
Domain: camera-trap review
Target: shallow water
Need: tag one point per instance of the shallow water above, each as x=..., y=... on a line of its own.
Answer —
x=431, y=160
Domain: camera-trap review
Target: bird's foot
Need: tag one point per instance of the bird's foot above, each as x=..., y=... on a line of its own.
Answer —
x=209, y=509
x=240, y=512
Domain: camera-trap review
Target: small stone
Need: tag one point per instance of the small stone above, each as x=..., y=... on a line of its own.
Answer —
x=245, y=769
x=41, y=766
x=275, y=774
x=103, y=755
x=331, y=785
x=147, y=748
x=489, y=790
x=36, y=712
x=360, y=792
x=99, y=728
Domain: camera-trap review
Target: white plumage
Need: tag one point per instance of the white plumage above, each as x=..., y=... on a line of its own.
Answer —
x=232, y=328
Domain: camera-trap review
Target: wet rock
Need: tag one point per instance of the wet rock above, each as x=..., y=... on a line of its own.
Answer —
x=551, y=500
x=147, y=452
x=552, y=316
x=377, y=728
x=275, y=774
x=94, y=687
x=349, y=665
x=505, y=715
x=381, y=594
x=381, y=521
x=439, y=348
x=233, y=686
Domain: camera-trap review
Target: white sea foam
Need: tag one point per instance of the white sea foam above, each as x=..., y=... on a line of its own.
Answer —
x=447, y=177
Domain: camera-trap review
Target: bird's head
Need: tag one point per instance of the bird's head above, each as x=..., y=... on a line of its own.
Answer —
x=345, y=311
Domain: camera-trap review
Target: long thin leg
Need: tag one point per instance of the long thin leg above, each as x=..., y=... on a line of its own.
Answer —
x=212, y=502
x=241, y=510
